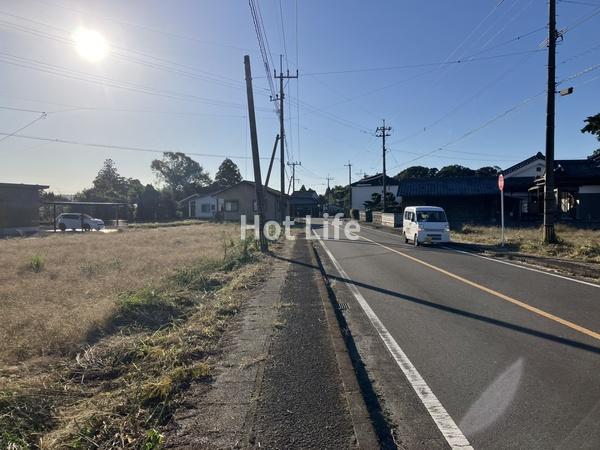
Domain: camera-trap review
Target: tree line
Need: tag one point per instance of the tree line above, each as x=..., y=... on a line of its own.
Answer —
x=178, y=176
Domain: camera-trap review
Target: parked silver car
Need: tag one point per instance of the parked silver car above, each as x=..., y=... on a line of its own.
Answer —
x=73, y=221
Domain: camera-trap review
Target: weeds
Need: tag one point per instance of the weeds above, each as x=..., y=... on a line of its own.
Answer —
x=120, y=391
x=37, y=263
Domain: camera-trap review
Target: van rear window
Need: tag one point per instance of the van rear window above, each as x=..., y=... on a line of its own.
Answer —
x=431, y=216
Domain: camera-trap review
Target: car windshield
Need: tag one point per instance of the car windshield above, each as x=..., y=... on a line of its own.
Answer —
x=87, y=216
x=431, y=216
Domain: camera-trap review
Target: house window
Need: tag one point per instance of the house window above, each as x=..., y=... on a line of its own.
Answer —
x=231, y=205
x=538, y=169
x=206, y=207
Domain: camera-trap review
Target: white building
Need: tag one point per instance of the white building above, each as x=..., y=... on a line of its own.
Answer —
x=363, y=190
x=202, y=206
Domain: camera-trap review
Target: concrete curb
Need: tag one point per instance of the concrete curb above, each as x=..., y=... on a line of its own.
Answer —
x=366, y=436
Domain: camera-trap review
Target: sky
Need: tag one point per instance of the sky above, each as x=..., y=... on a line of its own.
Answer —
x=172, y=79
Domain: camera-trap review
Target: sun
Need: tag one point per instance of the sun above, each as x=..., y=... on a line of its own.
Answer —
x=90, y=44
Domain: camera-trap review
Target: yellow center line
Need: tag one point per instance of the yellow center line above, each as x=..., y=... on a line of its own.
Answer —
x=514, y=301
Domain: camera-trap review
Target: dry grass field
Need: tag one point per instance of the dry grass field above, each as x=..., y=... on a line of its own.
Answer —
x=56, y=289
x=102, y=332
x=573, y=243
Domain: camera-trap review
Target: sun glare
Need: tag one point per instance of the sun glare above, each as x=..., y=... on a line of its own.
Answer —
x=90, y=44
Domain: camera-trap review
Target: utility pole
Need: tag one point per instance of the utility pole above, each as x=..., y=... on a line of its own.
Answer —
x=328, y=178
x=281, y=98
x=549, y=200
x=255, y=156
x=349, y=166
x=271, y=162
x=382, y=132
x=294, y=164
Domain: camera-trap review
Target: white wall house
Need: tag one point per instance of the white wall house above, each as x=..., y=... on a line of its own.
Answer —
x=202, y=206
x=364, y=189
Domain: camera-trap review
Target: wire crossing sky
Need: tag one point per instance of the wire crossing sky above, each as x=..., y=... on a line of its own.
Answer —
x=459, y=82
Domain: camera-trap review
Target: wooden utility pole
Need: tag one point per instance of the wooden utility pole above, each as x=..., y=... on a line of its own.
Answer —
x=349, y=166
x=549, y=199
x=294, y=164
x=281, y=98
x=255, y=156
x=382, y=132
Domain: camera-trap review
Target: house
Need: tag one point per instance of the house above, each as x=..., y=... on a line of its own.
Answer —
x=465, y=199
x=518, y=179
x=577, y=190
x=19, y=208
x=201, y=205
x=363, y=190
x=304, y=203
x=240, y=199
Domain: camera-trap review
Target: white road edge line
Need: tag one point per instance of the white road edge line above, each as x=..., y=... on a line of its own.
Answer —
x=455, y=438
x=519, y=266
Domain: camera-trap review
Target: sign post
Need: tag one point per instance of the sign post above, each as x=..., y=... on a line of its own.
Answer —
x=501, y=187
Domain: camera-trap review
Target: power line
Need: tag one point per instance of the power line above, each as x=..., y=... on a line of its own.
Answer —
x=177, y=68
x=7, y=58
x=121, y=147
x=420, y=65
x=140, y=26
x=14, y=133
x=465, y=102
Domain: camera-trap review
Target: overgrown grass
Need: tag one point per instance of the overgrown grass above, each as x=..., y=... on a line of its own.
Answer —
x=56, y=290
x=119, y=391
x=176, y=223
x=573, y=243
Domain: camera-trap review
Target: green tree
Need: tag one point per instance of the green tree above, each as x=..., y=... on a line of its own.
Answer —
x=593, y=127
x=416, y=172
x=455, y=170
x=375, y=203
x=111, y=187
x=228, y=174
x=180, y=173
x=488, y=171
x=148, y=204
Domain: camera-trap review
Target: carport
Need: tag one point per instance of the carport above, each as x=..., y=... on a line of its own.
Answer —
x=86, y=204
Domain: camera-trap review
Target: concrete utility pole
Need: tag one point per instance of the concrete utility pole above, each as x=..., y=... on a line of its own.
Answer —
x=328, y=178
x=255, y=156
x=271, y=162
x=549, y=200
x=382, y=132
x=349, y=166
x=294, y=164
x=281, y=97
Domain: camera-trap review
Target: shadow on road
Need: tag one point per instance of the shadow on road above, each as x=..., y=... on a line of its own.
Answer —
x=457, y=311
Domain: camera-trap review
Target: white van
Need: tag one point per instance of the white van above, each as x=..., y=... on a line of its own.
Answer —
x=425, y=224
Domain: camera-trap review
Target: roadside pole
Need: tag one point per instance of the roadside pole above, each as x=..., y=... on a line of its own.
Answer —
x=501, y=187
x=255, y=156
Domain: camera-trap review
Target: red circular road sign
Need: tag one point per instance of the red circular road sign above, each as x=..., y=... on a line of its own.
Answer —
x=501, y=182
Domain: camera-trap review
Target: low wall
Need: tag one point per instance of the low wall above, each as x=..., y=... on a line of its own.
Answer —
x=393, y=220
x=365, y=216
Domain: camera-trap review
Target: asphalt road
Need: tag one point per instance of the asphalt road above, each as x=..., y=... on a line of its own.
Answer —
x=512, y=355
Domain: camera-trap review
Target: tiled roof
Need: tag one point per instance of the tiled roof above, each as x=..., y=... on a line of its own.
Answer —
x=577, y=168
x=537, y=156
x=376, y=180
x=432, y=187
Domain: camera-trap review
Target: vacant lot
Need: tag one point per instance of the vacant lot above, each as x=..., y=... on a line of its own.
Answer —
x=573, y=243
x=56, y=290
x=102, y=332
